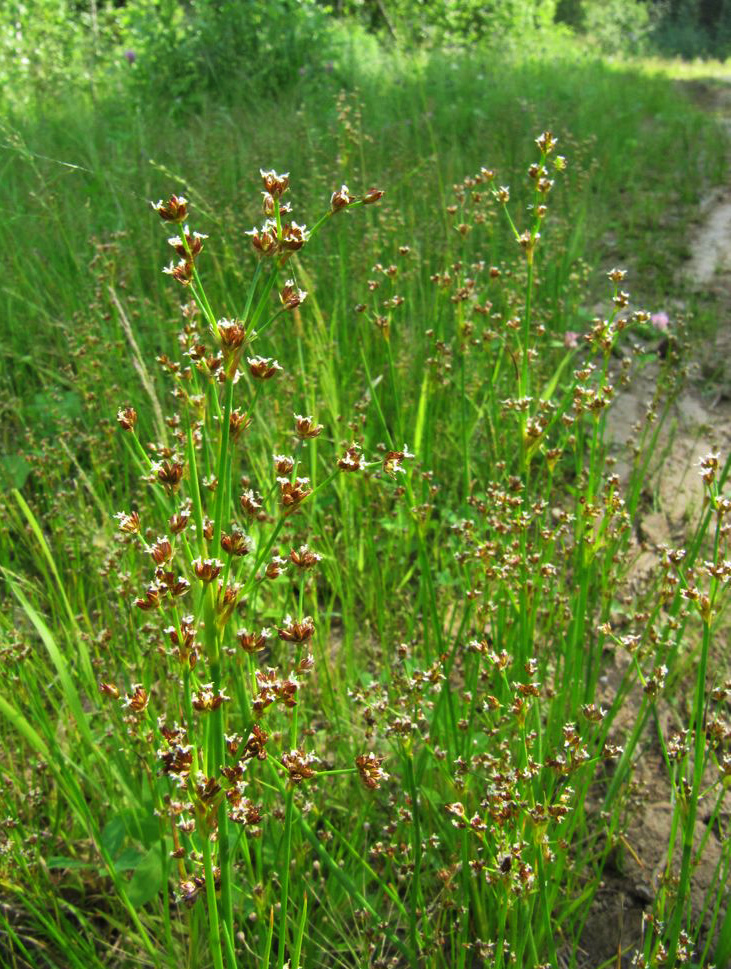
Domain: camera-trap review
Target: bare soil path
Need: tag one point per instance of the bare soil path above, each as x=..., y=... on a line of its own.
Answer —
x=700, y=422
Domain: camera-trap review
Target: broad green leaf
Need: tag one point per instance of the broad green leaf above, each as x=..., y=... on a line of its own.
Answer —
x=146, y=882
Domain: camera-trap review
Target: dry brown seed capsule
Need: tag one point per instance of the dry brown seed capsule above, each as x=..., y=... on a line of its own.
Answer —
x=370, y=770
x=127, y=418
x=246, y=812
x=174, y=210
x=255, y=745
x=188, y=246
x=161, y=551
x=236, y=543
x=206, y=700
x=151, y=599
x=290, y=296
x=138, y=699
x=305, y=427
x=341, y=199
x=238, y=423
x=372, y=196
x=129, y=524
x=179, y=521
x=276, y=185
x=392, y=462
x=232, y=334
x=264, y=240
x=109, y=689
x=283, y=464
x=263, y=368
x=296, y=631
x=252, y=642
x=250, y=503
x=275, y=567
x=294, y=236
x=351, y=460
x=292, y=495
x=207, y=569
x=182, y=271
x=299, y=765
x=169, y=474
x=304, y=557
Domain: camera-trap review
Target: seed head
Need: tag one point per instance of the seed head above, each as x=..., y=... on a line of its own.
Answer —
x=179, y=521
x=127, y=418
x=150, y=600
x=250, y=503
x=169, y=474
x=290, y=296
x=275, y=567
x=207, y=569
x=189, y=245
x=372, y=196
x=294, y=236
x=546, y=142
x=205, y=700
x=138, y=699
x=306, y=428
x=284, y=464
x=256, y=745
x=237, y=423
x=264, y=240
x=182, y=272
x=161, y=551
x=129, y=524
x=274, y=184
x=292, y=495
x=341, y=199
x=392, y=462
x=236, y=543
x=304, y=557
x=299, y=765
x=370, y=770
x=263, y=368
x=252, y=642
x=351, y=460
x=232, y=334
x=297, y=631
x=174, y=210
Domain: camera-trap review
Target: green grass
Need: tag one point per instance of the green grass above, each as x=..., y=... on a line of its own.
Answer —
x=462, y=607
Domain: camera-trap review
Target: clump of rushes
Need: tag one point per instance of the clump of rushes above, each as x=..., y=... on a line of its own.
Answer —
x=493, y=709
x=221, y=726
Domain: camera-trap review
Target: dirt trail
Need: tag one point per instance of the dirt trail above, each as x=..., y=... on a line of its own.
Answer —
x=700, y=422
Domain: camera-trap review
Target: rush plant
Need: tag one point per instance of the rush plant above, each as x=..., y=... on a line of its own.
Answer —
x=341, y=699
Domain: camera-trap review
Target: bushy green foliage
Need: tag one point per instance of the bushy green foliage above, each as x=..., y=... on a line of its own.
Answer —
x=184, y=53
x=166, y=51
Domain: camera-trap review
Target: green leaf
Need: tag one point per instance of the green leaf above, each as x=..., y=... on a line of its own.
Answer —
x=113, y=833
x=14, y=470
x=146, y=882
x=129, y=860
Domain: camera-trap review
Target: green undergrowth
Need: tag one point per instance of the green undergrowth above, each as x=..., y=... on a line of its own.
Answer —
x=419, y=766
